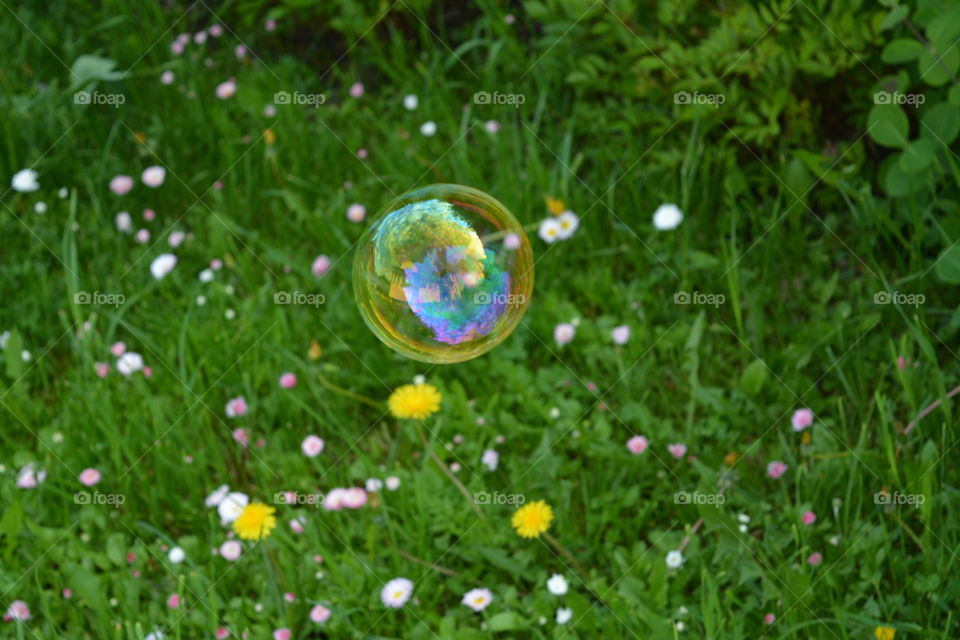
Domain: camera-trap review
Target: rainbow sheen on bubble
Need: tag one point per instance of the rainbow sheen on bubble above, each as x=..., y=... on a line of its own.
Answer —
x=443, y=274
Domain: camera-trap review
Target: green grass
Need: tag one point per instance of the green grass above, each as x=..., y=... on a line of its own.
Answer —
x=798, y=327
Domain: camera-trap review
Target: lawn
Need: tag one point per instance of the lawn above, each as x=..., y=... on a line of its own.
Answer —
x=726, y=413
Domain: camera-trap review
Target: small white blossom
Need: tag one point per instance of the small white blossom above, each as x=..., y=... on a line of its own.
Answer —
x=674, y=559
x=25, y=181
x=667, y=217
x=557, y=585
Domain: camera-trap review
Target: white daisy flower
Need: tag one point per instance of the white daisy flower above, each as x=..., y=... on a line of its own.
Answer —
x=557, y=585
x=410, y=102
x=667, y=217
x=568, y=224
x=232, y=506
x=477, y=599
x=153, y=176
x=162, y=265
x=674, y=559
x=129, y=363
x=217, y=496
x=564, y=614
x=25, y=181
x=550, y=230
x=620, y=334
x=176, y=555
x=396, y=592
x=124, y=222
x=490, y=459
x=231, y=550
x=428, y=128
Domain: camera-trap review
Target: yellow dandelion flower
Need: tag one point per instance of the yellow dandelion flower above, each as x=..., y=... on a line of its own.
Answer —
x=417, y=401
x=555, y=205
x=730, y=459
x=805, y=438
x=884, y=633
x=315, y=350
x=255, y=522
x=532, y=519
x=269, y=137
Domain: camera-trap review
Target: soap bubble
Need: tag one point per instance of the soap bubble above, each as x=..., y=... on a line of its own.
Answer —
x=443, y=274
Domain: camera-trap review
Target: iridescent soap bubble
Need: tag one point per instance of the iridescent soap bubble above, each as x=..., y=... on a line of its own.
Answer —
x=443, y=274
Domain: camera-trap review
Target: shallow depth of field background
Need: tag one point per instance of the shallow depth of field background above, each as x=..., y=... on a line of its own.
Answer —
x=811, y=148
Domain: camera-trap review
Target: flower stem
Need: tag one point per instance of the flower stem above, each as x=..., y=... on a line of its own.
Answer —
x=272, y=571
x=446, y=470
x=434, y=567
x=930, y=408
x=348, y=394
x=569, y=556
